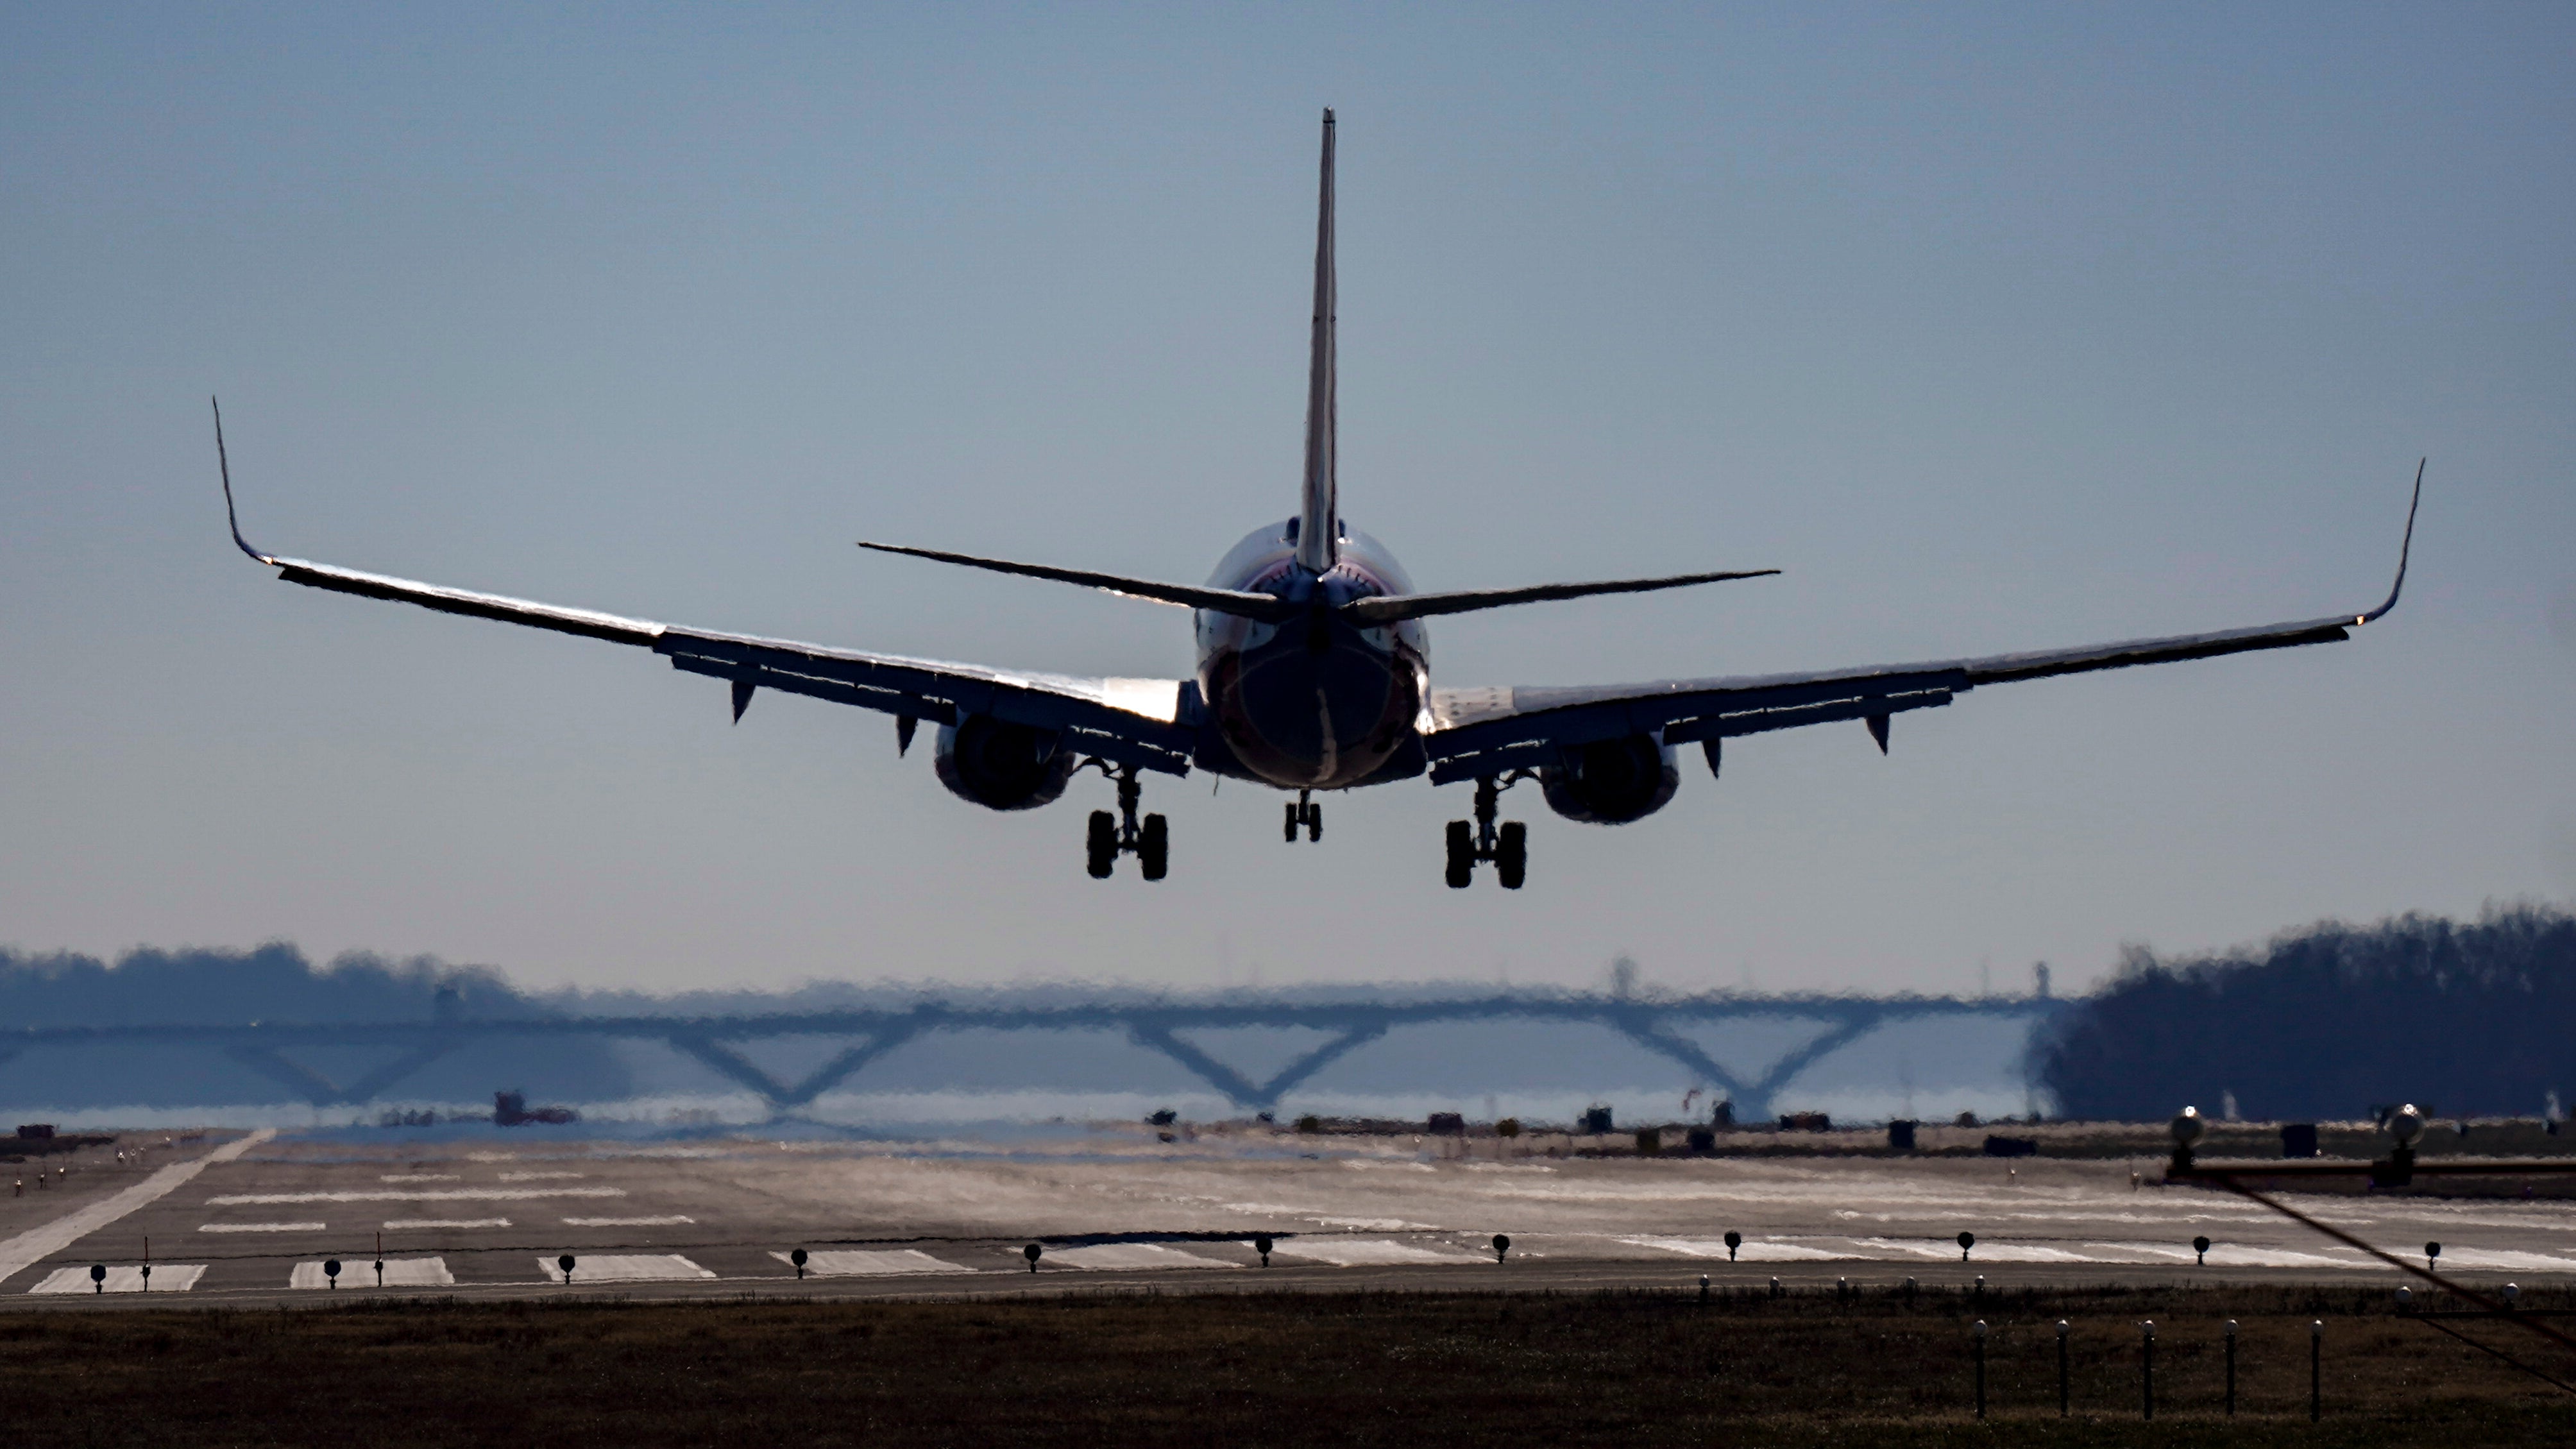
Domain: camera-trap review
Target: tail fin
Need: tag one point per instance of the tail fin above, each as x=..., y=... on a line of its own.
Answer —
x=1319, y=518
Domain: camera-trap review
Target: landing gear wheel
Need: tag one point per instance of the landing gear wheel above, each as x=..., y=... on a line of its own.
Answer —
x=1462, y=854
x=1511, y=855
x=1314, y=821
x=1290, y=834
x=1101, y=848
x=1154, y=847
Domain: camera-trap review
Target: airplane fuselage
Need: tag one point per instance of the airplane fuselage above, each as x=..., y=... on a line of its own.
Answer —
x=1314, y=702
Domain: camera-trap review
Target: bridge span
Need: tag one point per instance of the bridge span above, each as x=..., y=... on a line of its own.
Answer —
x=1205, y=1038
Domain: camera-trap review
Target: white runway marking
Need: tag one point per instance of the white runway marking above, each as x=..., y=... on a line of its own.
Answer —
x=636, y=1268
x=2501, y=1259
x=1754, y=1250
x=539, y=1176
x=1366, y=1252
x=261, y=1227
x=1379, y=1225
x=357, y=1273
x=421, y=1177
x=2230, y=1255
x=396, y=1225
x=674, y=1220
x=2153, y=1253
x=1939, y=1249
x=1123, y=1257
x=166, y=1278
x=860, y=1263
x=37, y=1244
x=445, y=1194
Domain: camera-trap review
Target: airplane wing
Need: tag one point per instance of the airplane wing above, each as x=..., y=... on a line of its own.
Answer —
x=1148, y=723
x=1482, y=732
x=1143, y=722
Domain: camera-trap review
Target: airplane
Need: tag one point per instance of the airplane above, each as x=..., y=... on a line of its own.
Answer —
x=1314, y=675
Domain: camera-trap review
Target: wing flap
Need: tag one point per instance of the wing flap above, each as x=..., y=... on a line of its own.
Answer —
x=1497, y=730
x=1149, y=723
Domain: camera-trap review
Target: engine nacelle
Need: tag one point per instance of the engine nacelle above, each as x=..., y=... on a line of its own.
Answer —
x=1611, y=782
x=1002, y=766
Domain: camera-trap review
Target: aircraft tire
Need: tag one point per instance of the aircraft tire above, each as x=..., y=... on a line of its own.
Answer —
x=1511, y=855
x=1291, y=835
x=1314, y=820
x=1101, y=847
x=1462, y=854
x=1154, y=847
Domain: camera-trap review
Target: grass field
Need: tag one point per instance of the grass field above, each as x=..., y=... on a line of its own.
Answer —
x=1266, y=1368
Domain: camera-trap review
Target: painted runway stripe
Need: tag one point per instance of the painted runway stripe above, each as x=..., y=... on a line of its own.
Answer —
x=261, y=1227
x=2231, y=1255
x=1754, y=1250
x=2505, y=1260
x=1123, y=1257
x=671, y=1221
x=354, y=1273
x=1942, y=1250
x=450, y=1194
x=1368, y=1252
x=421, y=1177
x=862, y=1263
x=636, y=1268
x=396, y=1225
x=540, y=1176
x=37, y=1244
x=166, y=1278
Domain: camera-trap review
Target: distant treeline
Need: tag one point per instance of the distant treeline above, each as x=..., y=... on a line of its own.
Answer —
x=273, y=983
x=2467, y=1019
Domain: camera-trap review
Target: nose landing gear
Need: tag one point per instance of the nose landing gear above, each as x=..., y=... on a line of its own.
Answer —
x=1306, y=812
x=1113, y=836
x=1507, y=845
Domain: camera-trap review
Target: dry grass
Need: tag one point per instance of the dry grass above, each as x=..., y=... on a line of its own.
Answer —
x=1286, y=1369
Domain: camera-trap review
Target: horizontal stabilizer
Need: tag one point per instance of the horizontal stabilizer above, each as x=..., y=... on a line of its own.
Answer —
x=1388, y=608
x=1224, y=601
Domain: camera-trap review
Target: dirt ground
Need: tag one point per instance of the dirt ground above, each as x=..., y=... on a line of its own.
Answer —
x=1417, y=1369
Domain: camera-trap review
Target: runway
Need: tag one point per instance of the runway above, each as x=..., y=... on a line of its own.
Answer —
x=257, y=1219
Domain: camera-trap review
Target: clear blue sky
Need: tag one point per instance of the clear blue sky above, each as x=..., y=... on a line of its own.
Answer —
x=1995, y=327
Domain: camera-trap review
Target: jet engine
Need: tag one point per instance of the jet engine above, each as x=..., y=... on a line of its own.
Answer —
x=1611, y=782
x=1002, y=766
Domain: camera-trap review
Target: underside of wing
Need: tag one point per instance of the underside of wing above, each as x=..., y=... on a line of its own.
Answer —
x=1479, y=732
x=1143, y=722
x=1483, y=732
x=1148, y=723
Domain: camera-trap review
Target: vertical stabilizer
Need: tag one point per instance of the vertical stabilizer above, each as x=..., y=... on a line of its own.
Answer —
x=1318, y=527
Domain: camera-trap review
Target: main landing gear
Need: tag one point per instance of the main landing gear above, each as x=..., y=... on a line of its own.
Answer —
x=1113, y=836
x=1308, y=813
x=1507, y=846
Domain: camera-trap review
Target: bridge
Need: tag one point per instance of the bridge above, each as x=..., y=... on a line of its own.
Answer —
x=1659, y=1025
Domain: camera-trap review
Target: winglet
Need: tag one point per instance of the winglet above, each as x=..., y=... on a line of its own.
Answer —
x=224, y=465
x=2403, y=548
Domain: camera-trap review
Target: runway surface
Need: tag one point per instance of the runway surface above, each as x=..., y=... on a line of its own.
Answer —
x=257, y=1218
